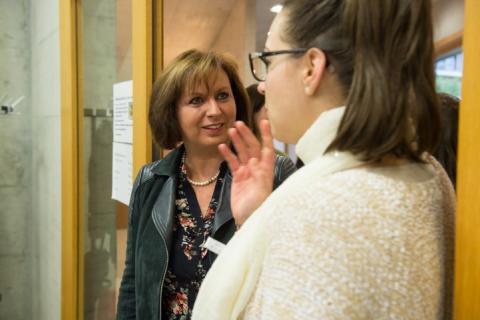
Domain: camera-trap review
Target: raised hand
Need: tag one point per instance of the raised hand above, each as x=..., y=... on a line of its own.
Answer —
x=251, y=168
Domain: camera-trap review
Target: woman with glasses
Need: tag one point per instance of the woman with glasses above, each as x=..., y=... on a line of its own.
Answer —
x=365, y=229
x=180, y=206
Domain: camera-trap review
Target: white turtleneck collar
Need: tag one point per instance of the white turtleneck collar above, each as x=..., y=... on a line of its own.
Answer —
x=320, y=135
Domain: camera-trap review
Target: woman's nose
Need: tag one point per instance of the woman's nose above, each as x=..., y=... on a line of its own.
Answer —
x=212, y=107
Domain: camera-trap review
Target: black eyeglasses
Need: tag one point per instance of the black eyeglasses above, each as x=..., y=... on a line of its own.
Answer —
x=259, y=62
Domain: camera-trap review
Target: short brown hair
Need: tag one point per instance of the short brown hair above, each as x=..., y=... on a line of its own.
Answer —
x=382, y=51
x=446, y=152
x=257, y=100
x=187, y=70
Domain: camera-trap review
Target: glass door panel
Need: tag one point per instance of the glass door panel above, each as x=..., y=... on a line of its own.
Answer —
x=105, y=55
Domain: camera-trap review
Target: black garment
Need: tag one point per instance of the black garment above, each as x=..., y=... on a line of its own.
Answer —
x=150, y=232
x=189, y=259
x=299, y=163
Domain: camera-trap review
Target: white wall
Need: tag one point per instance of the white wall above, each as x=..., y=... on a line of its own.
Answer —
x=46, y=165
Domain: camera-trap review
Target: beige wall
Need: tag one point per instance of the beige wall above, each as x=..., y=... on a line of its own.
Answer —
x=237, y=36
x=448, y=17
x=222, y=25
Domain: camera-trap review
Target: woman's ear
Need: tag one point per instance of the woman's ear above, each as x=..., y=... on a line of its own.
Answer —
x=315, y=64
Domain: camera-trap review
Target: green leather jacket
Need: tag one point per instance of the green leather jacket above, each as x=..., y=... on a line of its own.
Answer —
x=150, y=221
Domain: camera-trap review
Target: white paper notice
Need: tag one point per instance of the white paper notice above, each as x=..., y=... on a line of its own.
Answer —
x=122, y=112
x=122, y=142
x=122, y=172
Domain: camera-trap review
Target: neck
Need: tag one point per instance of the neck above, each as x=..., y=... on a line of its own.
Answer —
x=202, y=164
x=329, y=96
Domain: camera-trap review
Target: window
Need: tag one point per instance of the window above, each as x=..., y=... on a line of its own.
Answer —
x=449, y=72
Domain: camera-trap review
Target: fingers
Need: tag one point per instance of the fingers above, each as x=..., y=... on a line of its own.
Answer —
x=248, y=147
x=254, y=146
x=230, y=157
x=262, y=170
x=240, y=146
x=242, y=174
x=245, y=142
x=268, y=150
x=268, y=160
x=266, y=133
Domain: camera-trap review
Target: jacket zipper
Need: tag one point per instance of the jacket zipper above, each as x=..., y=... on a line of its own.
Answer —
x=164, y=271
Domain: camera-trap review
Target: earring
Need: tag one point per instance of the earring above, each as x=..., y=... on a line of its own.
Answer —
x=308, y=91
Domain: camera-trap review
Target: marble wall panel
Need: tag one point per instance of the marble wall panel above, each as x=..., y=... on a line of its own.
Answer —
x=15, y=288
x=15, y=162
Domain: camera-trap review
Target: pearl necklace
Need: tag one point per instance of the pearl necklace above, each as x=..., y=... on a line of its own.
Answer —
x=199, y=183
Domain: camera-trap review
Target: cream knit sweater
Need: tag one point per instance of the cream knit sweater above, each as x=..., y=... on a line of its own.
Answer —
x=355, y=243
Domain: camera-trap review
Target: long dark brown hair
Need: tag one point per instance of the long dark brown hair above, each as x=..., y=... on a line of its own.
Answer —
x=382, y=51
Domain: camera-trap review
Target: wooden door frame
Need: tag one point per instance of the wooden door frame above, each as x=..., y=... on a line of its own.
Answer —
x=448, y=44
x=467, y=243
x=143, y=30
x=69, y=158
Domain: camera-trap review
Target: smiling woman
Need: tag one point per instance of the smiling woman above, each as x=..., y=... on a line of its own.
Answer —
x=205, y=111
x=183, y=200
x=195, y=80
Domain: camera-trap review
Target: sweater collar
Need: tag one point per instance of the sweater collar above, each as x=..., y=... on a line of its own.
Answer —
x=320, y=135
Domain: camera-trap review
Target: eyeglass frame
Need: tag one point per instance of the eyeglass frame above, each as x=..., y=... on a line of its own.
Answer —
x=263, y=54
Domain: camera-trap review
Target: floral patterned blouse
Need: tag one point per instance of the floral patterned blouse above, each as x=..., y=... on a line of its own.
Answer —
x=189, y=259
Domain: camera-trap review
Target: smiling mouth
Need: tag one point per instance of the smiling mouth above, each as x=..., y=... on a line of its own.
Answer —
x=213, y=126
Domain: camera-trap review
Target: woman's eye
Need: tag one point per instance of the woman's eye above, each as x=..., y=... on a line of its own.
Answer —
x=223, y=96
x=196, y=101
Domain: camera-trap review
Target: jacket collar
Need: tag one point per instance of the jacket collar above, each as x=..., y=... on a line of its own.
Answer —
x=164, y=207
x=169, y=165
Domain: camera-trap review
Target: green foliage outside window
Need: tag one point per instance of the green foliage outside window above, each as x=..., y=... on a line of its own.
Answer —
x=449, y=84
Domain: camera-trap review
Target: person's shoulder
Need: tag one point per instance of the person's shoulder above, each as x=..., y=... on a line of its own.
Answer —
x=146, y=172
x=162, y=167
x=283, y=159
x=284, y=167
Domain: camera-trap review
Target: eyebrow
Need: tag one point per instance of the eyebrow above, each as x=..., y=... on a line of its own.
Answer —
x=222, y=88
x=195, y=93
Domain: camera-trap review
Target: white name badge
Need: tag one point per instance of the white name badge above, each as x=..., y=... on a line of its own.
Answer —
x=214, y=245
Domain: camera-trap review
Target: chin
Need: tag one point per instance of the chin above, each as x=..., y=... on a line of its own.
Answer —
x=216, y=141
x=287, y=141
x=280, y=135
x=285, y=138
